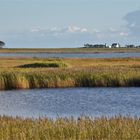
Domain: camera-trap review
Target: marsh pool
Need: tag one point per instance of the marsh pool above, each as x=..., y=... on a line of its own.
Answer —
x=68, y=102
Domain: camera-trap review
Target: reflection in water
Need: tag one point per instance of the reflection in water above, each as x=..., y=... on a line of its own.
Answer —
x=71, y=102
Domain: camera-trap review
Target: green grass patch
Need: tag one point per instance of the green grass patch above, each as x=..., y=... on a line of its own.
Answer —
x=44, y=65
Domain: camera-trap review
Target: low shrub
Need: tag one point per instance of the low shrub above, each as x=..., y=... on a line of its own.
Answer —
x=44, y=65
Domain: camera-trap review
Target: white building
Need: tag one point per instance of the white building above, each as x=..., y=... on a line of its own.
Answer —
x=115, y=45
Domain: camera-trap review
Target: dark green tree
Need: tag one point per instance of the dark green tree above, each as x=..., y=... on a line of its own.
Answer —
x=2, y=44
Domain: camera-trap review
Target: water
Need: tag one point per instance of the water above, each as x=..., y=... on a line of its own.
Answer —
x=72, y=55
x=68, y=102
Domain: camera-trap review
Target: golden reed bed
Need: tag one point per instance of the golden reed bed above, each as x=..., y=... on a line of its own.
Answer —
x=83, y=128
x=25, y=73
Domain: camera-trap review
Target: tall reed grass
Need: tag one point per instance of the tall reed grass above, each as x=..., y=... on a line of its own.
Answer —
x=83, y=128
x=87, y=77
x=54, y=73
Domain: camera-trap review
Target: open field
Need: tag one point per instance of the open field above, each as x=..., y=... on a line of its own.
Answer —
x=24, y=73
x=84, y=128
x=69, y=50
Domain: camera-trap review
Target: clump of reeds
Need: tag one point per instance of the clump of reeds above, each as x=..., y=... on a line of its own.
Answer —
x=21, y=79
x=55, y=73
x=83, y=128
x=44, y=65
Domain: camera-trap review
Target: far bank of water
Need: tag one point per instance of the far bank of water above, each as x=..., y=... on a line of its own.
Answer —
x=68, y=102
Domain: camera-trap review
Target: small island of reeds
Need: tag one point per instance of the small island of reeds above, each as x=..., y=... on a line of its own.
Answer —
x=26, y=73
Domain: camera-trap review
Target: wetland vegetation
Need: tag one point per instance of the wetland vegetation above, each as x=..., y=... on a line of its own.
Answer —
x=83, y=128
x=25, y=73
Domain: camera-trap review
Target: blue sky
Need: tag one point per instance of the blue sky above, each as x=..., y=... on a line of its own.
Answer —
x=69, y=23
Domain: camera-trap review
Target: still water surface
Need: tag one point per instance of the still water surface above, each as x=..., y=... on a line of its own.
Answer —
x=70, y=102
x=63, y=55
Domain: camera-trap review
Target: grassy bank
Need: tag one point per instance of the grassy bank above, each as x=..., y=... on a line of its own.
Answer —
x=69, y=50
x=84, y=128
x=17, y=79
x=27, y=73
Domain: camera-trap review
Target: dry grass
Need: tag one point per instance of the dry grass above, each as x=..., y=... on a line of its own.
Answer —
x=78, y=73
x=84, y=128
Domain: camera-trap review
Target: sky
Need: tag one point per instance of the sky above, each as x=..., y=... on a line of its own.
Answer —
x=69, y=23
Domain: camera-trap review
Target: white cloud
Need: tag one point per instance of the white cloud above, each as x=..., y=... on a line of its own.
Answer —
x=75, y=29
x=112, y=33
x=123, y=34
x=35, y=30
x=84, y=30
x=113, y=30
x=63, y=30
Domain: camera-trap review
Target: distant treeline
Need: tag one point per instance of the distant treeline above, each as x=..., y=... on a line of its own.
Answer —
x=114, y=45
